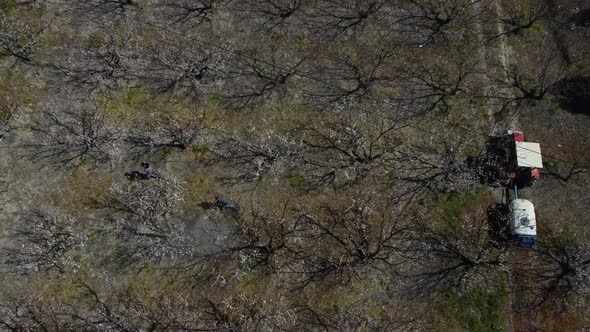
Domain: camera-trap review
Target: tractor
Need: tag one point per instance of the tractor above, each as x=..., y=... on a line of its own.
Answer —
x=512, y=163
x=509, y=161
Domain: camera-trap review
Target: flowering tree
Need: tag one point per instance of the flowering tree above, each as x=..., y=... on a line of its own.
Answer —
x=456, y=252
x=19, y=39
x=44, y=240
x=71, y=132
x=8, y=109
x=147, y=221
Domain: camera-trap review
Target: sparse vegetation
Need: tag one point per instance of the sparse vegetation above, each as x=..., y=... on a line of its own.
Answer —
x=310, y=165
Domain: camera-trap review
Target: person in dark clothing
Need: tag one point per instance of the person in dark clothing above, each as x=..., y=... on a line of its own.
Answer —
x=145, y=172
x=143, y=168
x=224, y=203
x=136, y=175
x=148, y=170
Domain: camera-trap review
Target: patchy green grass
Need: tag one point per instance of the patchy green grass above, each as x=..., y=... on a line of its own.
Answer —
x=453, y=206
x=7, y=6
x=477, y=310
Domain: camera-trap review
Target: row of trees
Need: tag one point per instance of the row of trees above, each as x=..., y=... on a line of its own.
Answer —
x=341, y=127
x=297, y=249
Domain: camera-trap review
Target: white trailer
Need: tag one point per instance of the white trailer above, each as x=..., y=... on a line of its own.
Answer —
x=523, y=224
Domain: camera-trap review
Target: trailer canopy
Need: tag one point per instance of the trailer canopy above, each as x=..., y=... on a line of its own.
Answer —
x=529, y=155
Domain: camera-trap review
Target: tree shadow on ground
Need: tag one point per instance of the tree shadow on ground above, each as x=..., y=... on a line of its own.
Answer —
x=573, y=94
x=206, y=205
x=581, y=18
x=498, y=222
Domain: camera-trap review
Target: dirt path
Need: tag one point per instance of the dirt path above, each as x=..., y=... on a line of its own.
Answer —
x=504, y=56
x=484, y=53
x=501, y=49
x=488, y=50
x=504, y=47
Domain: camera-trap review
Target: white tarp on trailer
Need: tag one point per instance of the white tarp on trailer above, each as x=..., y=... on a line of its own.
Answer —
x=522, y=218
x=529, y=155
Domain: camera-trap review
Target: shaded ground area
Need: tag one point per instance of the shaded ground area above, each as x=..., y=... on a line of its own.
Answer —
x=498, y=222
x=574, y=94
x=210, y=236
x=581, y=18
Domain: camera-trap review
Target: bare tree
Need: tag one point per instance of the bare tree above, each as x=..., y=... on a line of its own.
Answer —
x=353, y=238
x=518, y=17
x=332, y=18
x=252, y=79
x=131, y=308
x=353, y=146
x=44, y=240
x=430, y=168
x=569, y=160
x=189, y=13
x=5, y=181
x=146, y=219
x=71, y=132
x=430, y=87
x=92, y=67
x=532, y=78
x=249, y=312
x=20, y=311
x=106, y=8
x=8, y=108
x=256, y=239
x=94, y=307
x=433, y=21
x=19, y=38
x=271, y=14
x=170, y=64
x=160, y=130
x=457, y=253
x=550, y=68
x=357, y=75
x=265, y=151
x=560, y=269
